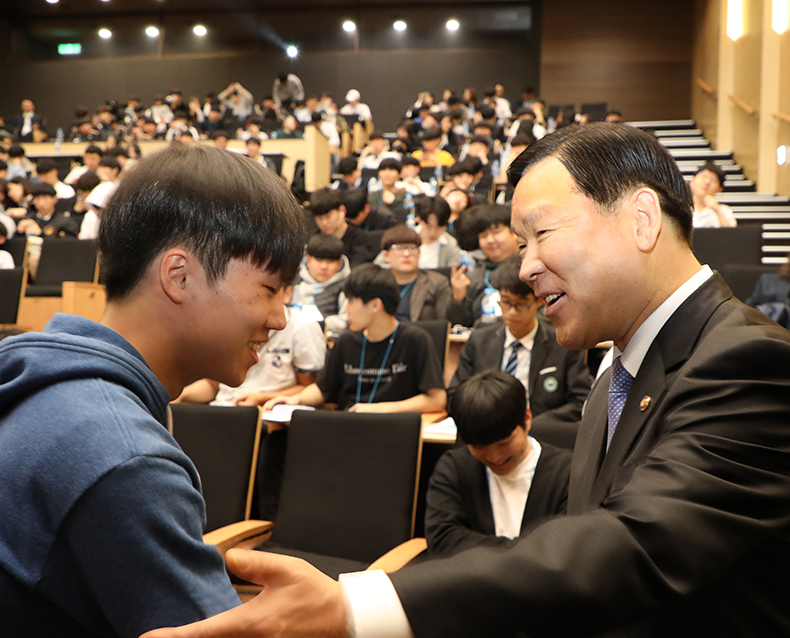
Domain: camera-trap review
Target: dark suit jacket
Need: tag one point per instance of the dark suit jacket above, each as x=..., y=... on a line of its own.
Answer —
x=19, y=121
x=683, y=529
x=458, y=514
x=559, y=379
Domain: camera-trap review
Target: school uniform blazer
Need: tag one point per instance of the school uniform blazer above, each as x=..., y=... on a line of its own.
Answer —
x=430, y=296
x=559, y=379
x=682, y=529
x=459, y=516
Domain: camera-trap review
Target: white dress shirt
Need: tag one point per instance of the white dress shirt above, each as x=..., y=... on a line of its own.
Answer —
x=509, y=493
x=524, y=354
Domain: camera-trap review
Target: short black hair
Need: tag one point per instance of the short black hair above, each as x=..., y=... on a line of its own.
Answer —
x=400, y=234
x=87, y=181
x=438, y=206
x=110, y=161
x=431, y=134
x=505, y=277
x=219, y=133
x=46, y=165
x=487, y=407
x=409, y=160
x=217, y=204
x=355, y=200
x=607, y=161
x=324, y=201
x=15, y=150
x=390, y=163
x=42, y=188
x=347, y=166
x=369, y=281
x=96, y=150
x=714, y=168
x=323, y=246
x=491, y=216
x=118, y=151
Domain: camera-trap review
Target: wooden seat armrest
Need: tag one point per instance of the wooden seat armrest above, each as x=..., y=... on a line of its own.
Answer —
x=399, y=556
x=230, y=535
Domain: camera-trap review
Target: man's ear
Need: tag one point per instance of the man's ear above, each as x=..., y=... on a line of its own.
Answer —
x=645, y=209
x=175, y=268
x=342, y=210
x=528, y=420
x=376, y=305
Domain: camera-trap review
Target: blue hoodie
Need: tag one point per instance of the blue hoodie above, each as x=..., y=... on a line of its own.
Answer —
x=102, y=516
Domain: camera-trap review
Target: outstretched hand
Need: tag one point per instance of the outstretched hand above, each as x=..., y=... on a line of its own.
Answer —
x=297, y=601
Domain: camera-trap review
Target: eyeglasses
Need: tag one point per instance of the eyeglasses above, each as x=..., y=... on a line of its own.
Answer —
x=519, y=307
x=404, y=248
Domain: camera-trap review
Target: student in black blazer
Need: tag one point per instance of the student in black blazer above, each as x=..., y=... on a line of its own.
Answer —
x=558, y=379
x=503, y=482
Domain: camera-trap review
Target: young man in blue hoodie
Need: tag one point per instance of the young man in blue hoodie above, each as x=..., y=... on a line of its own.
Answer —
x=102, y=512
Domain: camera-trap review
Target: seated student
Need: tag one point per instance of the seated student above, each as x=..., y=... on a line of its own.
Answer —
x=350, y=175
x=459, y=200
x=47, y=171
x=360, y=213
x=91, y=158
x=254, y=153
x=43, y=218
x=84, y=186
x=288, y=362
x=380, y=365
x=708, y=213
x=525, y=345
x=326, y=206
x=375, y=151
x=318, y=288
x=430, y=153
x=503, y=483
x=474, y=297
x=389, y=192
x=410, y=177
x=439, y=249
x=772, y=287
x=424, y=294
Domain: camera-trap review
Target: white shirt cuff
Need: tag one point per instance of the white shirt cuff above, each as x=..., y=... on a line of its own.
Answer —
x=374, y=609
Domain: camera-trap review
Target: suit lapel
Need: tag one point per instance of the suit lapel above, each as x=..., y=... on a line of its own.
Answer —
x=418, y=294
x=483, y=497
x=537, y=357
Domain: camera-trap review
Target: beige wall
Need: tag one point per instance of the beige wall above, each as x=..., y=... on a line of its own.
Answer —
x=754, y=71
x=634, y=55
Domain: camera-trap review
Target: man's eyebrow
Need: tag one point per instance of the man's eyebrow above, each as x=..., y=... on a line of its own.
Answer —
x=528, y=220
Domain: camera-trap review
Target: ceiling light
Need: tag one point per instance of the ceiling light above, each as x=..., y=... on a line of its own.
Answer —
x=52, y=1
x=151, y=32
x=349, y=26
x=291, y=51
x=105, y=34
x=734, y=19
x=452, y=25
x=780, y=15
x=199, y=30
x=399, y=25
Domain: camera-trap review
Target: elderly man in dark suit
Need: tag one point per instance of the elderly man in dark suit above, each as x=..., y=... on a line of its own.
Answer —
x=26, y=122
x=679, y=500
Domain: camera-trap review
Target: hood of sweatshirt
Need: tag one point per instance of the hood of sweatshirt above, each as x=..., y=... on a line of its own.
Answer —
x=340, y=275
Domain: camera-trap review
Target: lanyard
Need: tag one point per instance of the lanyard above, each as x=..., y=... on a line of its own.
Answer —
x=406, y=289
x=489, y=287
x=381, y=369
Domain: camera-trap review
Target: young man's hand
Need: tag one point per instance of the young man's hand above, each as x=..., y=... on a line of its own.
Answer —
x=459, y=281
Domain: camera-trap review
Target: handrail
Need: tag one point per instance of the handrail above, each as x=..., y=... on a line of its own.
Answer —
x=707, y=88
x=747, y=108
x=781, y=116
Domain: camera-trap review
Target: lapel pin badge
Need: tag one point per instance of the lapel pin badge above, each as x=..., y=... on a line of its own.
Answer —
x=644, y=404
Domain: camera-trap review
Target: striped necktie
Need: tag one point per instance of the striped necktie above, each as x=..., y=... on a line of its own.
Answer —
x=512, y=362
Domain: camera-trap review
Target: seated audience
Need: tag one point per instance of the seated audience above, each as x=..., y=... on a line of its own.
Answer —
x=524, y=344
x=380, y=365
x=90, y=158
x=459, y=201
x=350, y=175
x=326, y=206
x=708, y=213
x=360, y=213
x=424, y=294
x=254, y=153
x=47, y=171
x=18, y=164
x=431, y=154
x=389, y=192
x=410, y=177
x=474, y=296
x=6, y=259
x=355, y=108
x=43, y=218
x=318, y=287
x=375, y=151
x=288, y=362
x=772, y=287
x=503, y=482
x=439, y=248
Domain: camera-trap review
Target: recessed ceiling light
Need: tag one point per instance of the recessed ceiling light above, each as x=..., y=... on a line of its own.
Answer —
x=399, y=25
x=349, y=26
x=52, y=1
x=452, y=25
x=105, y=34
x=151, y=32
x=291, y=51
x=199, y=29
